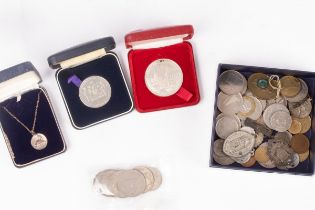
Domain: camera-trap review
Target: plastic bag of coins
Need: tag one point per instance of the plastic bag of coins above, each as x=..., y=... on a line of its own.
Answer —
x=127, y=183
x=263, y=120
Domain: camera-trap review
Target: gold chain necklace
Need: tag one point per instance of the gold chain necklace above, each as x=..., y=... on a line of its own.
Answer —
x=39, y=141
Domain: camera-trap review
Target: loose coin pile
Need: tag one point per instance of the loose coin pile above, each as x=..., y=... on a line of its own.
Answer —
x=127, y=183
x=262, y=120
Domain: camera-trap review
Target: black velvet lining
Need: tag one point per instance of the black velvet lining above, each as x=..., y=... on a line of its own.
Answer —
x=107, y=67
x=20, y=138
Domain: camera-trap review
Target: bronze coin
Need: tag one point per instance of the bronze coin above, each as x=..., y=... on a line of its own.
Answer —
x=261, y=153
x=296, y=127
x=290, y=86
x=258, y=84
x=300, y=143
x=305, y=122
x=250, y=162
x=304, y=156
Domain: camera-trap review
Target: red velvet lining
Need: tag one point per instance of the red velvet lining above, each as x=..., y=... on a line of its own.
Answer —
x=139, y=60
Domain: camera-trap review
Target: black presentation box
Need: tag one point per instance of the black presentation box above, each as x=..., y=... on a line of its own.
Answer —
x=304, y=168
x=83, y=62
x=20, y=94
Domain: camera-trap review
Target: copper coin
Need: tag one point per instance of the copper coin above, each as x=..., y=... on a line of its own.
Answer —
x=304, y=156
x=305, y=123
x=261, y=153
x=290, y=86
x=250, y=162
x=300, y=143
x=295, y=127
x=258, y=84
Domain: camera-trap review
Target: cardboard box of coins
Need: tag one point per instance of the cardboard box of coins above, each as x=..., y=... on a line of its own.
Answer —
x=91, y=82
x=162, y=68
x=262, y=120
x=28, y=123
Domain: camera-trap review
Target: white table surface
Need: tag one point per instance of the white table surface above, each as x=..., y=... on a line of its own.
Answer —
x=262, y=33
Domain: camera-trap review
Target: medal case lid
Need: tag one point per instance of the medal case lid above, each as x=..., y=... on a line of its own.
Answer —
x=87, y=51
x=157, y=37
x=17, y=80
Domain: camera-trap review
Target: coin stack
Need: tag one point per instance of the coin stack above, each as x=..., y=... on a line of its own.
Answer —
x=127, y=183
x=262, y=119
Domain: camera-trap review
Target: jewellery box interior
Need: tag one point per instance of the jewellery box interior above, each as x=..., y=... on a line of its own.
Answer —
x=148, y=46
x=91, y=59
x=20, y=94
x=304, y=168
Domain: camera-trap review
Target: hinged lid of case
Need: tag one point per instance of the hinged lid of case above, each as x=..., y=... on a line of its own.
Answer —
x=18, y=79
x=81, y=53
x=158, y=37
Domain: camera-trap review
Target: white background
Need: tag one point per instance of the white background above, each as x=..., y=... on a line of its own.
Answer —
x=264, y=33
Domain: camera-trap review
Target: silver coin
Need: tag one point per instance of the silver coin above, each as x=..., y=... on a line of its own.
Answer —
x=226, y=160
x=129, y=183
x=238, y=144
x=302, y=110
x=270, y=110
x=280, y=121
x=258, y=109
x=225, y=126
x=39, y=141
x=232, y=115
x=302, y=94
x=244, y=87
x=148, y=175
x=218, y=148
x=95, y=92
x=232, y=82
x=157, y=178
x=242, y=159
x=163, y=77
x=279, y=100
x=248, y=130
x=101, y=182
x=229, y=104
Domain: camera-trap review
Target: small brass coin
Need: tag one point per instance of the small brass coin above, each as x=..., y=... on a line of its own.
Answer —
x=248, y=106
x=258, y=84
x=304, y=156
x=305, y=123
x=261, y=153
x=250, y=162
x=300, y=143
x=290, y=86
x=295, y=127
